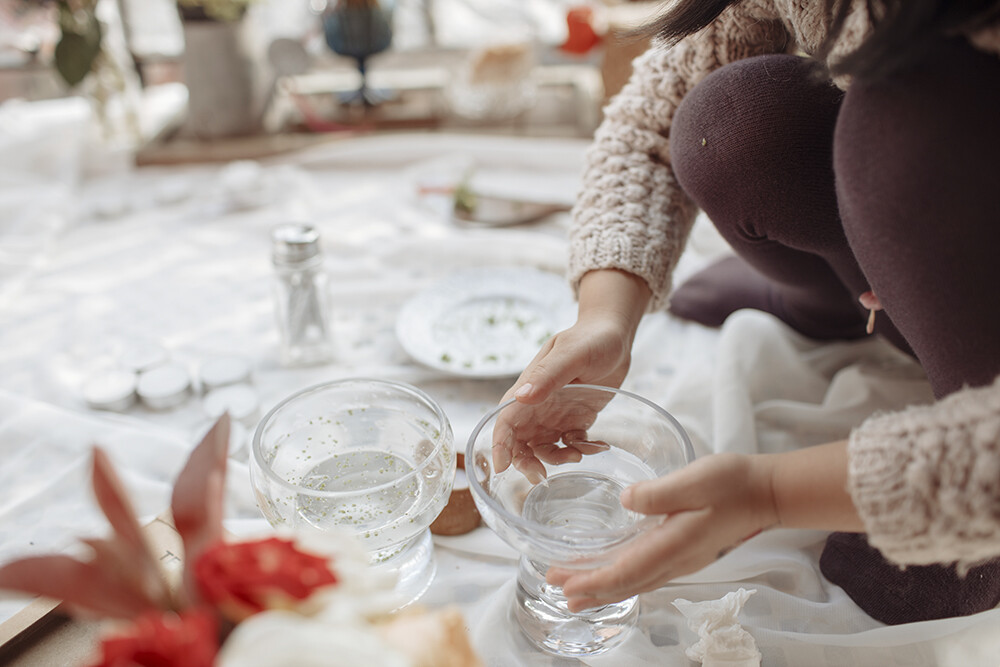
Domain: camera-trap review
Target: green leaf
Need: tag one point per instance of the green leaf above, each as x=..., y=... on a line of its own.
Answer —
x=76, y=51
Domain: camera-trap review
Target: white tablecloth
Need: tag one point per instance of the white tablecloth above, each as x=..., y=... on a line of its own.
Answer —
x=180, y=258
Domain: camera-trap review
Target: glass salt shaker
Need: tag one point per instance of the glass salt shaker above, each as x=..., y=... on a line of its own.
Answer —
x=300, y=291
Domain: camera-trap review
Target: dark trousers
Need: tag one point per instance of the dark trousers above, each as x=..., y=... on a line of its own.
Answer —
x=892, y=187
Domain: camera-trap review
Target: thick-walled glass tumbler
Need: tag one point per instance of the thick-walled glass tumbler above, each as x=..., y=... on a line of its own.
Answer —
x=592, y=442
x=371, y=457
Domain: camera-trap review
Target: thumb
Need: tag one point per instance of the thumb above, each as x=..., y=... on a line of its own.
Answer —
x=664, y=495
x=549, y=370
x=543, y=378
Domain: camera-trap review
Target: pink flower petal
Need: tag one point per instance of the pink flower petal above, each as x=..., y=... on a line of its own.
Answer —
x=197, y=501
x=83, y=585
x=133, y=559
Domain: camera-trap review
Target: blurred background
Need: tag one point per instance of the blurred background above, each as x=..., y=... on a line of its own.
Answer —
x=172, y=81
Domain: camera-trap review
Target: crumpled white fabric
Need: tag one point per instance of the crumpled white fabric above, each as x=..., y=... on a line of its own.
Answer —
x=722, y=641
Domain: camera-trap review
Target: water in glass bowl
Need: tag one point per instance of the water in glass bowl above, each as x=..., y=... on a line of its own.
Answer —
x=577, y=505
x=372, y=493
x=578, y=502
x=382, y=510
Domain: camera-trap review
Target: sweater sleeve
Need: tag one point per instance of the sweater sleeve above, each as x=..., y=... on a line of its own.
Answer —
x=631, y=214
x=926, y=481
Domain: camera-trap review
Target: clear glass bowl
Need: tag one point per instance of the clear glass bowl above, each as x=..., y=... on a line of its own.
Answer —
x=598, y=441
x=371, y=457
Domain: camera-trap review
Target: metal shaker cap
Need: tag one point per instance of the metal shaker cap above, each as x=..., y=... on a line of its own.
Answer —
x=294, y=242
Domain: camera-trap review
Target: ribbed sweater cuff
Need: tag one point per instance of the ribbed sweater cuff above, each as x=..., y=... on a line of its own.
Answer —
x=611, y=249
x=926, y=481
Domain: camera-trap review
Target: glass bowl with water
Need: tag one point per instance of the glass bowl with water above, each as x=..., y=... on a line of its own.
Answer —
x=592, y=442
x=374, y=458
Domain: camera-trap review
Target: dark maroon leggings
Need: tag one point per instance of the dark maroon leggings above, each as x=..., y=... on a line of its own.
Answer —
x=892, y=187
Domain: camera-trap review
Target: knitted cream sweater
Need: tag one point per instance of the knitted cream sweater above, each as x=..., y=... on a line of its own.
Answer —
x=925, y=481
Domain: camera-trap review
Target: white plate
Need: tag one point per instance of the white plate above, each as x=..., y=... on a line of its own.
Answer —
x=485, y=323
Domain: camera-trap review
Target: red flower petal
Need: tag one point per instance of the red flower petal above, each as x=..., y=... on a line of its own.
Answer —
x=244, y=578
x=164, y=640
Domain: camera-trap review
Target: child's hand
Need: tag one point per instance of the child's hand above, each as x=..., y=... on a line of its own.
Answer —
x=710, y=506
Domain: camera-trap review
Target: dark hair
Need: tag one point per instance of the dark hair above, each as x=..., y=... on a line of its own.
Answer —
x=903, y=29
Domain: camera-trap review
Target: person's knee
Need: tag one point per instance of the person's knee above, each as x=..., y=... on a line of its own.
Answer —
x=752, y=135
x=722, y=124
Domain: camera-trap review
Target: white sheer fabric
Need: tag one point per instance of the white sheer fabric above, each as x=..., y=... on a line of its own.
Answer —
x=180, y=257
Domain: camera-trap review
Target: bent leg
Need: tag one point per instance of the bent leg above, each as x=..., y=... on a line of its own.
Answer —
x=915, y=158
x=919, y=190
x=752, y=144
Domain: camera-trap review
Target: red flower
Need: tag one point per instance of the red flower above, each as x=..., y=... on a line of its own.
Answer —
x=244, y=578
x=164, y=640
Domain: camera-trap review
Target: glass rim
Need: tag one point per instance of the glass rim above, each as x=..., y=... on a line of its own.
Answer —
x=601, y=535
x=267, y=471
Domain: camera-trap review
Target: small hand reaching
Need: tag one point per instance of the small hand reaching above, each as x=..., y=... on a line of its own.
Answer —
x=709, y=507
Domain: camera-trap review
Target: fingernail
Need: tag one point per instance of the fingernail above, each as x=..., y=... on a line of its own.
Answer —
x=523, y=390
x=626, y=498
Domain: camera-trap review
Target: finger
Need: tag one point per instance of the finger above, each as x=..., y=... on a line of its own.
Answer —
x=579, y=604
x=577, y=438
x=522, y=386
x=524, y=460
x=543, y=377
x=576, y=605
x=537, y=434
x=543, y=351
x=674, y=492
x=504, y=436
x=651, y=560
x=502, y=451
x=557, y=576
x=553, y=454
x=588, y=446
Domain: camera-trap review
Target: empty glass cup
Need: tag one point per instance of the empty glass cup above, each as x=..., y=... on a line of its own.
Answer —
x=591, y=442
x=373, y=457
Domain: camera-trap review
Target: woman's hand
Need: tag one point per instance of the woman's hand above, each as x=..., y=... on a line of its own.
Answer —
x=529, y=432
x=709, y=507
x=595, y=350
